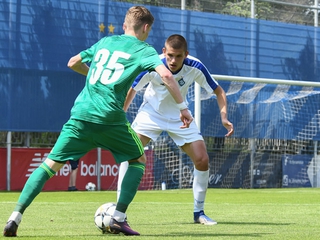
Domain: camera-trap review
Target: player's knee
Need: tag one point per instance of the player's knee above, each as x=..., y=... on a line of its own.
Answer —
x=74, y=164
x=201, y=163
x=142, y=159
x=137, y=165
x=54, y=165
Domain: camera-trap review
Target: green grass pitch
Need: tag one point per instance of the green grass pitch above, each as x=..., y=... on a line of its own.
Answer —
x=240, y=213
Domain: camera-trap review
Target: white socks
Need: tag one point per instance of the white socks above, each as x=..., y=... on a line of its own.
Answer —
x=119, y=216
x=200, y=185
x=15, y=216
x=122, y=171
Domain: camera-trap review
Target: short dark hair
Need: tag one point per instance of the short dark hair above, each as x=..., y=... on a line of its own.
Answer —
x=177, y=41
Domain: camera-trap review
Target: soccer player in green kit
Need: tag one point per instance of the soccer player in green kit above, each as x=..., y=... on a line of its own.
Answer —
x=97, y=117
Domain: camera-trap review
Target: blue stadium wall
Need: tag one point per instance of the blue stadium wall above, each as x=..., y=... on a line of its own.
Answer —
x=37, y=38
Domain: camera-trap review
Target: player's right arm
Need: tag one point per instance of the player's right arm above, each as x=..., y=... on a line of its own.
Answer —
x=174, y=90
x=76, y=65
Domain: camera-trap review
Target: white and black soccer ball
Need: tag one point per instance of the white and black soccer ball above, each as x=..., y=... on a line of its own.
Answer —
x=103, y=216
x=90, y=186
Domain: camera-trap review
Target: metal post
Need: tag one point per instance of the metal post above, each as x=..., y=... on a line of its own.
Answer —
x=183, y=7
x=98, y=169
x=28, y=137
x=183, y=4
x=252, y=153
x=252, y=9
x=315, y=164
x=315, y=54
x=252, y=50
x=197, y=105
x=316, y=13
x=252, y=41
x=9, y=142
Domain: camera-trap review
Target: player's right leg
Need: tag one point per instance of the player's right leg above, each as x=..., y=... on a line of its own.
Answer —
x=73, y=175
x=124, y=165
x=122, y=171
x=130, y=184
x=125, y=145
x=146, y=129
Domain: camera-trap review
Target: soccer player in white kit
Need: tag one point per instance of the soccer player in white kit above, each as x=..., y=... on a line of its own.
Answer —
x=159, y=112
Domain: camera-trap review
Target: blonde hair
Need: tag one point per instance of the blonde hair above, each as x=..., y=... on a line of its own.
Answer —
x=137, y=16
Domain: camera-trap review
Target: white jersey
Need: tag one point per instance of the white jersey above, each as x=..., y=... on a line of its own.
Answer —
x=159, y=99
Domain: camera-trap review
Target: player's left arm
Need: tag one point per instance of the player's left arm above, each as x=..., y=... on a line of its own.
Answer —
x=141, y=80
x=130, y=96
x=222, y=103
x=76, y=65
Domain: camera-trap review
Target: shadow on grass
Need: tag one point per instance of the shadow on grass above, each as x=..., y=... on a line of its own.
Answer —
x=231, y=223
x=199, y=235
x=255, y=223
x=171, y=234
x=168, y=235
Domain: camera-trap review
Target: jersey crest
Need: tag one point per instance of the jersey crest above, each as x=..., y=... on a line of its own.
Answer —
x=181, y=82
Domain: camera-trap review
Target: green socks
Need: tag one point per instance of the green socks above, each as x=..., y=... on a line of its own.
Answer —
x=33, y=186
x=42, y=174
x=130, y=184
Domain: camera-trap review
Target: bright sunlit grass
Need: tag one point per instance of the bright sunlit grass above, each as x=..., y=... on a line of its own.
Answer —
x=240, y=213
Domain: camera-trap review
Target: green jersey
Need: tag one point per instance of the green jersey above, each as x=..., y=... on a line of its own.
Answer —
x=115, y=62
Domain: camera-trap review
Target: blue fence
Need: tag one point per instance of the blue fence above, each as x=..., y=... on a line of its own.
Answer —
x=37, y=39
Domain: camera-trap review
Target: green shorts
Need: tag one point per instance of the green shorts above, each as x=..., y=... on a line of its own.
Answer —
x=79, y=137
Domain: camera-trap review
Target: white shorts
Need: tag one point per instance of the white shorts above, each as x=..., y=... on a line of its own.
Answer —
x=152, y=124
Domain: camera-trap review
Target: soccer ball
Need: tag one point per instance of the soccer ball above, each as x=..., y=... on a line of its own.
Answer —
x=103, y=216
x=90, y=186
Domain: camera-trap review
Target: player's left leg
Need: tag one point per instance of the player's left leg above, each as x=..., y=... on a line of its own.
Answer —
x=31, y=189
x=191, y=142
x=70, y=145
x=198, y=153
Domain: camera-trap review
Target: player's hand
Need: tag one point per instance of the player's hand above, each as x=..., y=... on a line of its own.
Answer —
x=229, y=126
x=186, y=118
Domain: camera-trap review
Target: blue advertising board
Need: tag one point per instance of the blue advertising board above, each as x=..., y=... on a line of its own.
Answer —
x=295, y=171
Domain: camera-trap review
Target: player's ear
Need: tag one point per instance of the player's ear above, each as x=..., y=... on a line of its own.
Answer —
x=146, y=27
x=163, y=50
x=187, y=53
x=124, y=27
